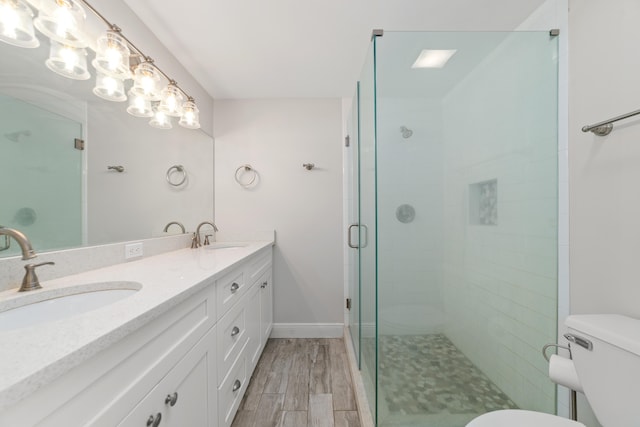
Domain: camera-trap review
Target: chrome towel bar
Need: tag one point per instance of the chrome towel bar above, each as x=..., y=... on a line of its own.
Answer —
x=605, y=127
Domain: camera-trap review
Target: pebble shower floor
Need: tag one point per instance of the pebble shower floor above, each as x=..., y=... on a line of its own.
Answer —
x=425, y=377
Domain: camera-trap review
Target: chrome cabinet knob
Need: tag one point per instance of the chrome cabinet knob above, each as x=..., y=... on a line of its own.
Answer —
x=235, y=331
x=154, y=421
x=234, y=287
x=236, y=385
x=171, y=399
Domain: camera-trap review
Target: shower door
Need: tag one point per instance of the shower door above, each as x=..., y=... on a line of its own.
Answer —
x=458, y=212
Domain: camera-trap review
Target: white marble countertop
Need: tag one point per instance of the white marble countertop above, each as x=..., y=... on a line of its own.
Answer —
x=34, y=356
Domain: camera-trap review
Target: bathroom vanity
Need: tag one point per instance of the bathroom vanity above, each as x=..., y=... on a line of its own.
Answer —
x=178, y=352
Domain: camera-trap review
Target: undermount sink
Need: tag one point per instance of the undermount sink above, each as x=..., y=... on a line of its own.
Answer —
x=226, y=245
x=55, y=304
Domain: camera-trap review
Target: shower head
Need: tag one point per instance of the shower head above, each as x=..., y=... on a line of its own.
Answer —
x=17, y=136
x=406, y=132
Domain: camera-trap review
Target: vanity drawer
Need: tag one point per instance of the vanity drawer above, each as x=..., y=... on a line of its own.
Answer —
x=232, y=337
x=231, y=391
x=229, y=289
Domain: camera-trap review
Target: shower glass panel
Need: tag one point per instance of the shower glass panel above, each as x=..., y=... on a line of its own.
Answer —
x=458, y=190
x=367, y=229
x=44, y=141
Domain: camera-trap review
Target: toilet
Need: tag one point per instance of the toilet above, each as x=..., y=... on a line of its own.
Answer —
x=606, y=353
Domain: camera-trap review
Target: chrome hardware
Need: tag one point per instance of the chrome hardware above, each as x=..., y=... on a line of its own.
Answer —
x=351, y=245
x=206, y=239
x=194, y=241
x=236, y=385
x=245, y=169
x=23, y=241
x=154, y=421
x=308, y=166
x=234, y=287
x=215, y=228
x=30, y=281
x=176, y=169
x=179, y=224
x=171, y=399
x=582, y=342
x=604, y=128
x=547, y=346
x=118, y=169
x=235, y=331
x=264, y=285
x=7, y=243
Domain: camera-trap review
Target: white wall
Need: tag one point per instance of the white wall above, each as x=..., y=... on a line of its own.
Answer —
x=276, y=136
x=604, y=172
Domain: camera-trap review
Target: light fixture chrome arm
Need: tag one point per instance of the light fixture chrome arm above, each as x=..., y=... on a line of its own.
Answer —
x=118, y=30
x=605, y=127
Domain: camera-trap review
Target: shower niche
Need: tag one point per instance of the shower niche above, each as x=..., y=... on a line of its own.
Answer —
x=483, y=203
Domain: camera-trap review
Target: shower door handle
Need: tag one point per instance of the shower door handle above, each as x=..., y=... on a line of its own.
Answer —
x=349, y=242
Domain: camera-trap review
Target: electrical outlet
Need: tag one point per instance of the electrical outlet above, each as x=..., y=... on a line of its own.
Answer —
x=133, y=250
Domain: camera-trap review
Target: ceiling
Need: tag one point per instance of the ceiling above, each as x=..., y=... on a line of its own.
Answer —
x=302, y=48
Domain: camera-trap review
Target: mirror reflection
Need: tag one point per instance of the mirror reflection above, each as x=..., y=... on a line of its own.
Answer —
x=78, y=170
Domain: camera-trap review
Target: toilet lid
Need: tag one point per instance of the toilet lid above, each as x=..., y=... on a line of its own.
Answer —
x=521, y=418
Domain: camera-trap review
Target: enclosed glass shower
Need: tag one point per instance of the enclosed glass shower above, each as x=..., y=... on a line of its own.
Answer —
x=454, y=225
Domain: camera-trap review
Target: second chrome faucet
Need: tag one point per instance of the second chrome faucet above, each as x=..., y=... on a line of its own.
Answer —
x=197, y=240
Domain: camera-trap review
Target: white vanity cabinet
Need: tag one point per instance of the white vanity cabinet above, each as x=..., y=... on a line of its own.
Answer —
x=188, y=367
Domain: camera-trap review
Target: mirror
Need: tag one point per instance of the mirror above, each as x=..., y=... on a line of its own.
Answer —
x=121, y=186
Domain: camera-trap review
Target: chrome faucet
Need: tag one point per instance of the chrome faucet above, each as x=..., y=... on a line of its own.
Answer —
x=30, y=281
x=179, y=224
x=23, y=241
x=206, y=242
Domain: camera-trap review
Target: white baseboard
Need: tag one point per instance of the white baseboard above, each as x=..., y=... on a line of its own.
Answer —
x=307, y=330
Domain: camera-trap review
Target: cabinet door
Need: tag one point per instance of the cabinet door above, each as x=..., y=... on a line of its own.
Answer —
x=266, y=307
x=253, y=326
x=182, y=397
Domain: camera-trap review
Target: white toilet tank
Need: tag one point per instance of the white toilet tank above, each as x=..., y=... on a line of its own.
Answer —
x=606, y=352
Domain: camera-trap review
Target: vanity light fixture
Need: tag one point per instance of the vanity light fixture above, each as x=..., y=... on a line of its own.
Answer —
x=109, y=88
x=160, y=120
x=63, y=22
x=68, y=61
x=171, y=100
x=16, y=24
x=139, y=106
x=190, y=118
x=112, y=55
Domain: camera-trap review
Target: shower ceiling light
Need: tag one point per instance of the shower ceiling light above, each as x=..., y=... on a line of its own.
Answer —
x=433, y=58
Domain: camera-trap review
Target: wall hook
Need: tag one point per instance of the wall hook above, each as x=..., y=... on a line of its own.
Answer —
x=116, y=168
x=308, y=166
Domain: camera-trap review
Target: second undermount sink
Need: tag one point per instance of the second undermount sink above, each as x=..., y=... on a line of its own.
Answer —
x=61, y=303
x=226, y=245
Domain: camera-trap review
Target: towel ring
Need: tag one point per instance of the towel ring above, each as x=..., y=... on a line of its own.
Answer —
x=176, y=169
x=245, y=169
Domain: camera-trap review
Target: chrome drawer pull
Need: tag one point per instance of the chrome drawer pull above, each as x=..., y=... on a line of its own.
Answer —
x=235, y=331
x=171, y=399
x=154, y=421
x=234, y=287
x=236, y=385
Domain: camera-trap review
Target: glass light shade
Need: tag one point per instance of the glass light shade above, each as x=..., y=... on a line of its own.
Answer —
x=62, y=21
x=190, y=118
x=68, y=61
x=16, y=24
x=139, y=106
x=171, y=101
x=112, y=56
x=145, y=81
x=109, y=88
x=160, y=120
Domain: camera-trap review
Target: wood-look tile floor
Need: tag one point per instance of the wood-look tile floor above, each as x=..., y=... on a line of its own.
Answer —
x=300, y=383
